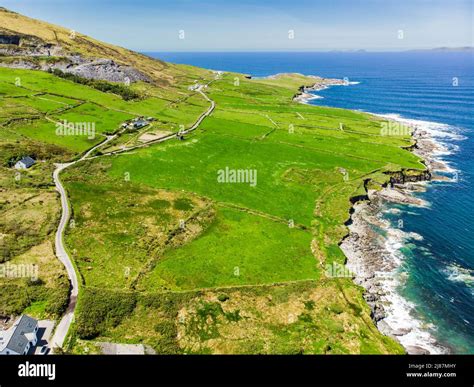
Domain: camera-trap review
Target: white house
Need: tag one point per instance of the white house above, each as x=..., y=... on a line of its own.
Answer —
x=20, y=337
x=24, y=163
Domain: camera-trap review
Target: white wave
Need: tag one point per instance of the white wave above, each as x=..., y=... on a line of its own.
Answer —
x=348, y=83
x=400, y=320
x=315, y=96
x=410, y=331
x=393, y=211
x=434, y=129
x=457, y=273
x=415, y=236
x=440, y=134
x=305, y=100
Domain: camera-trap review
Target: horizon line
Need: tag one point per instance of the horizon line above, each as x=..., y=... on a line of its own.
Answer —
x=465, y=48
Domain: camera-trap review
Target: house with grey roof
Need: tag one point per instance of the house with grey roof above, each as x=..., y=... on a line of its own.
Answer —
x=24, y=163
x=20, y=337
x=140, y=124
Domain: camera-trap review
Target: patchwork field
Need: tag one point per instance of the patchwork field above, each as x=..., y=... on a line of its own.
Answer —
x=171, y=251
x=31, y=105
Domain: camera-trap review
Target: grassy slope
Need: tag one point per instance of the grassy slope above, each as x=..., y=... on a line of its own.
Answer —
x=164, y=74
x=34, y=106
x=127, y=236
x=326, y=316
x=49, y=99
x=29, y=212
x=295, y=171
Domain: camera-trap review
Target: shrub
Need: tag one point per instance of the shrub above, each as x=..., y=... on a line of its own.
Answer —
x=167, y=343
x=107, y=87
x=13, y=299
x=183, y=204
x=309, y=305
x=233, y=316
x=100, y=309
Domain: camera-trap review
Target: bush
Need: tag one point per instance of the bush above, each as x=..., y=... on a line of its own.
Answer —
x=107, y=87
x=166, y=328
x=183, y=204
x=233, y=316
x=13, y=299
x=309, y=305
x=58, y=298
x=100, y=309
x=167, y=343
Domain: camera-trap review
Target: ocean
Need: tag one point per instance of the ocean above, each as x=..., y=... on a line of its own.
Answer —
x=435, y=91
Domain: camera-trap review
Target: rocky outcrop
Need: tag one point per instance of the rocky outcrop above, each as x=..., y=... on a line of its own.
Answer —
x=32, y=53
x=371, y=254
x=99, y=69
x=10, y=39
x=106, y=69
x=408, y=176
x=303, y=94
x=13, y=44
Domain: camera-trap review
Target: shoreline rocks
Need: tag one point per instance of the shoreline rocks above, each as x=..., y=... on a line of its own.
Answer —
x=303, y=95
x=372, y=257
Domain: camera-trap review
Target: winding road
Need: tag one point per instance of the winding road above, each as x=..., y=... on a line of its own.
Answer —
x=61, y=252
x=62, y=328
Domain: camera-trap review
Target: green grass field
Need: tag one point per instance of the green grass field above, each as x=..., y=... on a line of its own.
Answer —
x=158, y=222
x=48, y=99
x=237, y=249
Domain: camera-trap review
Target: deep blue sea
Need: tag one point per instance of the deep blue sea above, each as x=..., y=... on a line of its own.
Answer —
x=435, y=88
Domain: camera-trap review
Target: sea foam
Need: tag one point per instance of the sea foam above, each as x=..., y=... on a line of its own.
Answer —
x=400, y=318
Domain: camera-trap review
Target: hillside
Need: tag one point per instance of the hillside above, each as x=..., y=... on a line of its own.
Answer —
x=42, y=40
x=208, y=217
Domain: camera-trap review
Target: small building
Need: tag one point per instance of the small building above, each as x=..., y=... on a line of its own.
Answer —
x=140, y=124
x=20, y=337
x=194, y=87
x=25, y=163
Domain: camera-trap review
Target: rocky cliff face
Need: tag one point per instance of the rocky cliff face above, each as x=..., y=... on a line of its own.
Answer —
x=408, y=176
x=32, y=53
x=10, y=39
x=100, y=69
x=13, y=44
x=103, y=69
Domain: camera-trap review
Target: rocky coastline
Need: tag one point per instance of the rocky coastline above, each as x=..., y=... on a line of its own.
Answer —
x=372, y=258
x=303, y=95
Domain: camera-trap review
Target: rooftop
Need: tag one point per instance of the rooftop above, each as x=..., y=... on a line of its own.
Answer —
x=17, y=337
x=28, y=161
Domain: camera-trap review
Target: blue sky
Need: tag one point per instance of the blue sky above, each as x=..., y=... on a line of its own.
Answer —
x=214, y=25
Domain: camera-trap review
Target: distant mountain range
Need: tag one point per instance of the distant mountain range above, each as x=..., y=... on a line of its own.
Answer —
x=454, y=49
x=467, y=48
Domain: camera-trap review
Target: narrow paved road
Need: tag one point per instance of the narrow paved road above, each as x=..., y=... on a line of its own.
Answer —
x=169, y=136
x=64, y=324
x=63, y=327
x=204, y=115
